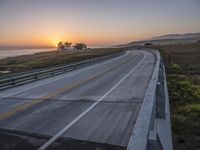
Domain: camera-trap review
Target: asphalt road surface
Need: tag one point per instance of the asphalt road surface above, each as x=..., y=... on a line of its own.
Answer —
x=91, y=108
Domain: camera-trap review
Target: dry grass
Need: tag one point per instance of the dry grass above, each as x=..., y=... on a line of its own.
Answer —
x=49, y=59
x=183, y=74
x=187, y=56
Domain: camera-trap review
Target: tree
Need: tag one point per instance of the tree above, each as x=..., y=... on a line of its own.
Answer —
x=68, y=44
x=61, y=46
x=148, y=44
x=80, y=46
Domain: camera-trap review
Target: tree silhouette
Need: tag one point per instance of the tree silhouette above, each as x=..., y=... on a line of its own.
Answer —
x=68, y=44
x=148, y=44
x=61, y=46
x=80, y=46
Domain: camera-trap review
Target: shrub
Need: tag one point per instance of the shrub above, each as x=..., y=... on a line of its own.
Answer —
x=183, y=90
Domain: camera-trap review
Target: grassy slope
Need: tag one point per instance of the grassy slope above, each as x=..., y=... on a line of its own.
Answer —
x=187, y=56
x=48, y=59
x=183, y=75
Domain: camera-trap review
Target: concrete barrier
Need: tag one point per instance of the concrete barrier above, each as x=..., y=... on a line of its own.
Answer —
x=152, y=130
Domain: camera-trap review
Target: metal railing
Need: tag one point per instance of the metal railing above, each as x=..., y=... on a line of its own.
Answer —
x=35, y=75
x=152, y=130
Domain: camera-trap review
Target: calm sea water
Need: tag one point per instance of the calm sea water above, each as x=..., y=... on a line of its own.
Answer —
x=12, y=53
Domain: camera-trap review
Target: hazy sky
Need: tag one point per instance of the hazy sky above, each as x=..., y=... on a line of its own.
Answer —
x=95, y=22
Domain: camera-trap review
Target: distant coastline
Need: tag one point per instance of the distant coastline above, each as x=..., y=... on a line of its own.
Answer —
x=5, y=53
x=13, y=47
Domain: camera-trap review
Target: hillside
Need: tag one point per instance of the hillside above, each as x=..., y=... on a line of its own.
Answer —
x=185, y=55
x=169, y=39
x=178, y=36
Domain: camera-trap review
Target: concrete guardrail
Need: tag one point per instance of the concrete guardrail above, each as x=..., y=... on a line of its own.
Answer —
x=152, y=129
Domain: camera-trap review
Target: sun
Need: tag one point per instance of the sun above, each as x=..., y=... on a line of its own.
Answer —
x=55, y=43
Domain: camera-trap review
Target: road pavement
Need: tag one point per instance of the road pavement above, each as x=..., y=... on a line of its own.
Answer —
x=90, y=108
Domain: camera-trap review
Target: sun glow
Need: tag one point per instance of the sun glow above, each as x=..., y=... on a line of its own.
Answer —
x=55, y=43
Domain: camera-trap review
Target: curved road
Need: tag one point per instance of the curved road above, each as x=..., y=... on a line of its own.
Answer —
x=91, y=108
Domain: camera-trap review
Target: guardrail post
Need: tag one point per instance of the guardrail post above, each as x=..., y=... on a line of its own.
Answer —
x=35, y=76
x=13, y=81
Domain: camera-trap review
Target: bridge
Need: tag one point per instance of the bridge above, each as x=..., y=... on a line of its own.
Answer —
x=113, y=102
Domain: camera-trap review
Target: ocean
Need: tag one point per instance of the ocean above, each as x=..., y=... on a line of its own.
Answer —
x=11, y=53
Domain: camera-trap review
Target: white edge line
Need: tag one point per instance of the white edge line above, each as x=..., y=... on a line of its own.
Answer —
x=7, y=95
x=50, y=141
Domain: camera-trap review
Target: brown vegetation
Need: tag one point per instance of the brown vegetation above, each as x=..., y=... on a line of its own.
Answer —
x=183, y=76
x=187, y=56
x=49, y=59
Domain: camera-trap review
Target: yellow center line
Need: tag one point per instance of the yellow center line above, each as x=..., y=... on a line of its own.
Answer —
x=60, y=91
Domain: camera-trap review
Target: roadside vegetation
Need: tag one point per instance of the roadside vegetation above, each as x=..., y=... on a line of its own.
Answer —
x=183, y=77
x=49, y=59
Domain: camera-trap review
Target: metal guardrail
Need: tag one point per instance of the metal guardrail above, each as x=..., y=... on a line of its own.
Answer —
x=152, y=130
x=41, y=74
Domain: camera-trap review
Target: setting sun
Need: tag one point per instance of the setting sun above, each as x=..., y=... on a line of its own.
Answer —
x=55, y=43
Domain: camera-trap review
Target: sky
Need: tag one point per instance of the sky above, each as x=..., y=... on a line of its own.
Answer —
x=94, y=22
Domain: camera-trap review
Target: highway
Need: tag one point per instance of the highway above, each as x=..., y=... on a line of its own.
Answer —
x=95, y=107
